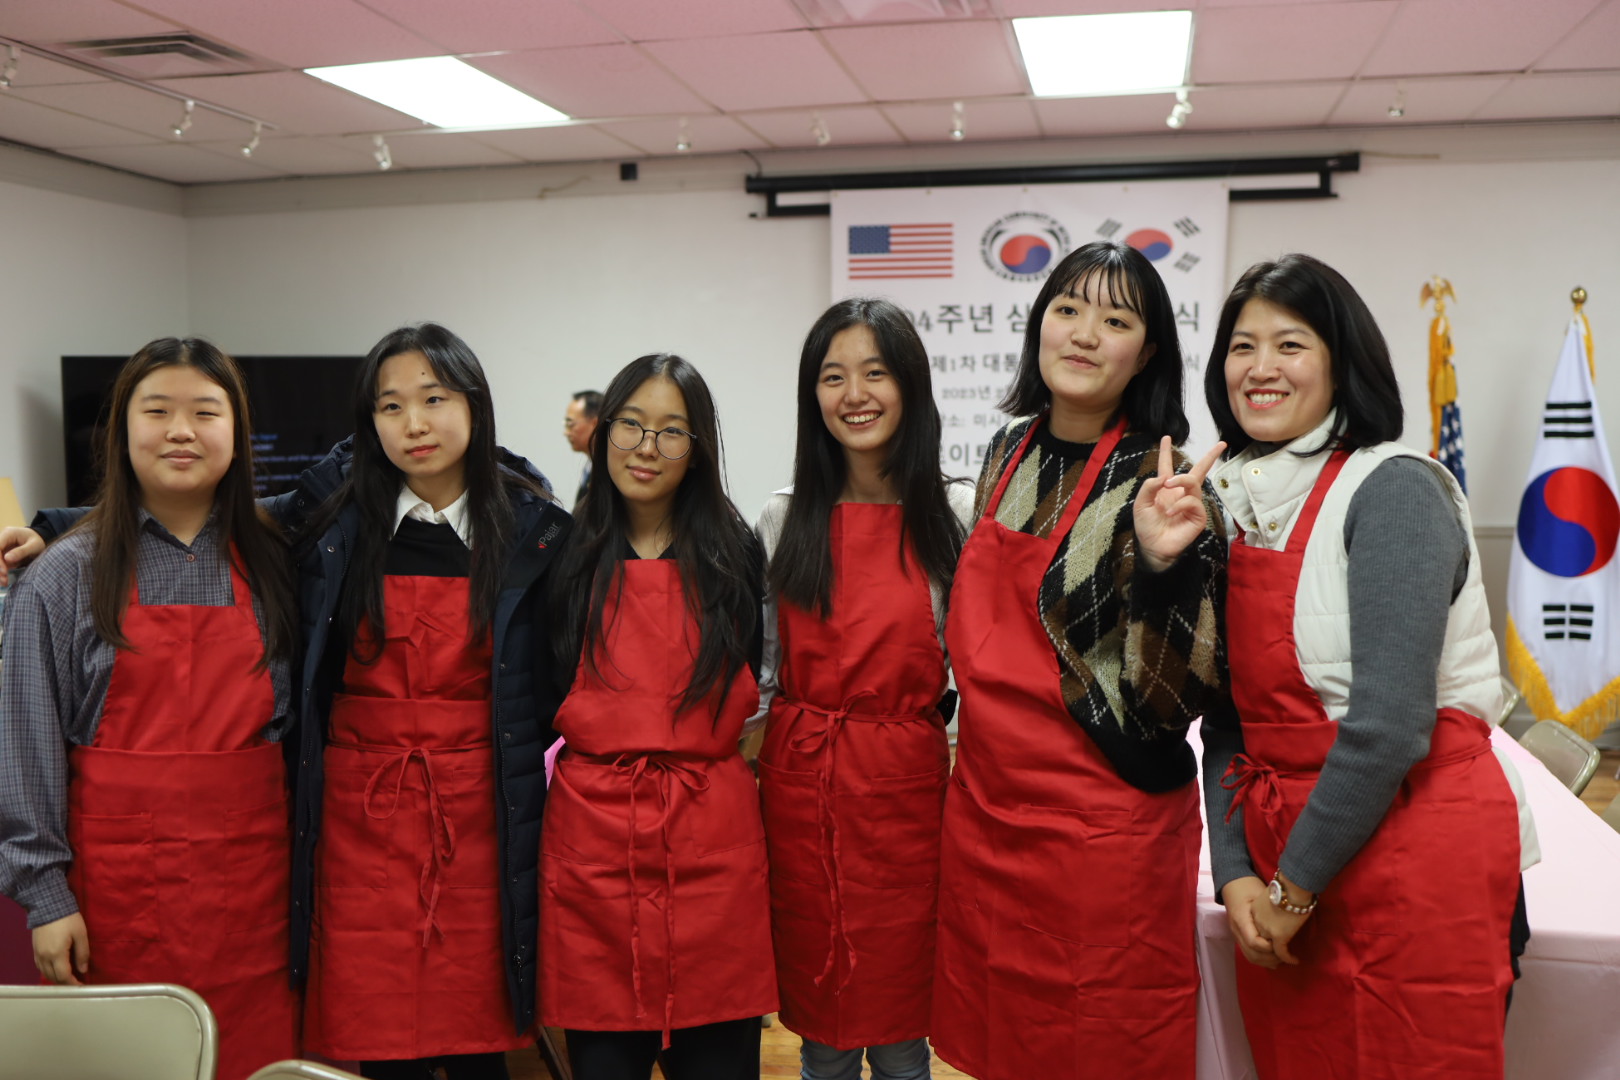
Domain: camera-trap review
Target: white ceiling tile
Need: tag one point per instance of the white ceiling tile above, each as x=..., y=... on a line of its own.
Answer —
x=1242, y=108
x=761, y=71
x=434, y=150
x=298, y=33
x=848, y=127
x=296, y=102
x=1104, y=115
x=133, y=108
x=872, y=12
x=595, y=80
x=177, y=162
x=1595, y=43
x=301, y=156
x=25, y=121
x=1427, y=101
x=639, y=20
x=1206, y=4
x=1280, y=44
x=497, y=25
x=1476, y=36
x=562, y=142
x=709, y=134
x=56, y=21
x=38, y=71
x=982, y=121
x=1535, y=97
x=930, y=60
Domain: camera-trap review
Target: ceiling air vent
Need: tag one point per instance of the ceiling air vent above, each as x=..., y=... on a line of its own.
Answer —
x=153, y=56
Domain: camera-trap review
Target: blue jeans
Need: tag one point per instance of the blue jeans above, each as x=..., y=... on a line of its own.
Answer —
x=897, y=1061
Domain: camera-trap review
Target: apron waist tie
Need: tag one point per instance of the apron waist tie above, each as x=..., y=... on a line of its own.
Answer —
x=824, y=739
x=693, y=778
x=441, y=833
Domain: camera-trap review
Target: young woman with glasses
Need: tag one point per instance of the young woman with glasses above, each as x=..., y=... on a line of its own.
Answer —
x=855, y=759
x=655, y=922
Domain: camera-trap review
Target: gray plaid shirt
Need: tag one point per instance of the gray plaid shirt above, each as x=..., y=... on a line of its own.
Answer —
x=53, y=685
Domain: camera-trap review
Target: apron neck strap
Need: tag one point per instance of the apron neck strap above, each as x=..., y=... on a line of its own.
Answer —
x=1313, y=505
x=1088, y=478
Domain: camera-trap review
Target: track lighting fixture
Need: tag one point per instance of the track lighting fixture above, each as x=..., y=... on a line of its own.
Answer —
x=9, y=75
x=380, y=151
x=683, y=140
x=818, y=128
x=1397, y=108
x=1179, y=111
x=958, y=122
x=184, y=124
x=253, y=143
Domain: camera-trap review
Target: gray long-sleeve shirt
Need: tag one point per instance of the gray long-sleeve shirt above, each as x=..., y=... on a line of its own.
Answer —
x=53, y=686
x=1408, y=559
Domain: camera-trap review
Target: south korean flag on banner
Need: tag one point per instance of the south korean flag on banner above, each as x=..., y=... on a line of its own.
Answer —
x=1563, y=645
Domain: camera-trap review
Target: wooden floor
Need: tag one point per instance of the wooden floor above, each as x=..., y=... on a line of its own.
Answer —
x=778, y=1057
x=779, y=1047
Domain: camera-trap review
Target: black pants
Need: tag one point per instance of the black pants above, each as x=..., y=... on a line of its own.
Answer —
x=728, y=1050
x=456, y=1067
x=1518, y=938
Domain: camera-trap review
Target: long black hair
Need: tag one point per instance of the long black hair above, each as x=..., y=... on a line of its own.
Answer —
x=1365, y=391
x=260, y=551
x=373, y=485
x=1152, y=399
x=801, y=569
x=715, y=552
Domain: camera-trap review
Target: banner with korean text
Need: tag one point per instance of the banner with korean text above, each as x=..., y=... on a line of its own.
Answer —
x=966, y=263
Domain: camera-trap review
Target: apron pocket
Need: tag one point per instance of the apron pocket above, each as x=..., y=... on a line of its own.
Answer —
x=793, y=832
x=726, y=816
x=587, y=817
x=890, y=832
x=1077, y=873
x=258, y=864
x=116, y=863
x=354, y=847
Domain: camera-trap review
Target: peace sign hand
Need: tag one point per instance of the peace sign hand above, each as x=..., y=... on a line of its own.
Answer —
x=1169, y=508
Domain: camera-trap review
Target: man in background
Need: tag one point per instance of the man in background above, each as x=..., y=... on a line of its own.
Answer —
x=579, y=424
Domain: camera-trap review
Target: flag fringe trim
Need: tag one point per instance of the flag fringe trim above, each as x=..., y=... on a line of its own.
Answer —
x=1588, y=719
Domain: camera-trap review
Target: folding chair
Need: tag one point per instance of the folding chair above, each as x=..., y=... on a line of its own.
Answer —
x=1567, y=756
x=301, y=1070
x=132, y=1032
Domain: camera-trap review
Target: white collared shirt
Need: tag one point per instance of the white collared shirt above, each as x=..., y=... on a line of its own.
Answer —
x=411, y=505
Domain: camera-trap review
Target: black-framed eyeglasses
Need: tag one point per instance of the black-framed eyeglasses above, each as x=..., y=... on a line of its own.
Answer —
x=672, y=442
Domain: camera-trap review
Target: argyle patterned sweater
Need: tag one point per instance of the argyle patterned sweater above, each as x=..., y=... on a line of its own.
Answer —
x=1140, y=651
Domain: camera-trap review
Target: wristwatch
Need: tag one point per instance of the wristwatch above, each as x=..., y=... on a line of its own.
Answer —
x=1279, y=898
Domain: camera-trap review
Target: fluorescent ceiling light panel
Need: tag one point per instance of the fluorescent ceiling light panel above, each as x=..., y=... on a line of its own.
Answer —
x=440, y=90
x=1069, y=55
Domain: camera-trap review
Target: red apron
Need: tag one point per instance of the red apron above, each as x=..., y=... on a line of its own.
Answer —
x=178, y=821
x=654, y=904
x=405, y=947
x=1403, y=968
x=852, y=777
x=1066, y=910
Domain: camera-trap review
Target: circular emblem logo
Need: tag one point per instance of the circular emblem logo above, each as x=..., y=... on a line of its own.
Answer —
x=1151, y=242
x=1568, y=522
x=1023, y=246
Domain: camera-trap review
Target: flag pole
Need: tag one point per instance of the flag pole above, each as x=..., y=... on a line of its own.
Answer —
x=1577, y=296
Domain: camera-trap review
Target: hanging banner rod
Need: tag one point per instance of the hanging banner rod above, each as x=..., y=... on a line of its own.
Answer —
x=1324, y=168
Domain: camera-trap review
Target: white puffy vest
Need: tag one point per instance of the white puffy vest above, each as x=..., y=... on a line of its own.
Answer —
x=1275, y=489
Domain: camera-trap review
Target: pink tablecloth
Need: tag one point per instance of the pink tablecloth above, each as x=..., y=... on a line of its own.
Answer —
x=1563, y=1023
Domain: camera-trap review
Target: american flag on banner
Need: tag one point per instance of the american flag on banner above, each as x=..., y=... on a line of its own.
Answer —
x=878, y=252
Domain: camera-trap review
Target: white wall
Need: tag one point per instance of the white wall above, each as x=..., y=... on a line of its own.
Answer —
x=554, y=295
x=557, y=294
x=78, y=274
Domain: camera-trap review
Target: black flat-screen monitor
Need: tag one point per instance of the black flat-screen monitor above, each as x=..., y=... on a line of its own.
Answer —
x=301, y=407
